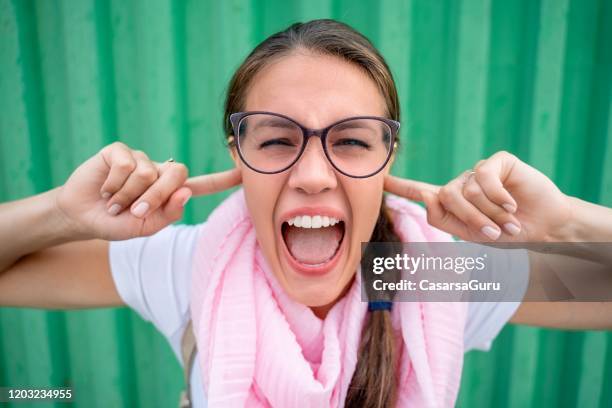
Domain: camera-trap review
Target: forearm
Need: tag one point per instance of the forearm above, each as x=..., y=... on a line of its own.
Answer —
x=566, y=292
x=588, y=234
x=29, y=225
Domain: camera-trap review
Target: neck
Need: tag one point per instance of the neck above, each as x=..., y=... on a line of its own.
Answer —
x=321, y=311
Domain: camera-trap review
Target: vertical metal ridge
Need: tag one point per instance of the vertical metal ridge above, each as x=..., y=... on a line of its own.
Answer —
x=107, y=83
x=544, y=132
x=471, y=93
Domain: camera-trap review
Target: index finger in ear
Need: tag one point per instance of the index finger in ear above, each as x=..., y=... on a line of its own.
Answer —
x=407, y=188
x=214, y=183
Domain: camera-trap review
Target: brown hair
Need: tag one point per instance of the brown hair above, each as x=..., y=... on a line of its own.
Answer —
x=374, y=380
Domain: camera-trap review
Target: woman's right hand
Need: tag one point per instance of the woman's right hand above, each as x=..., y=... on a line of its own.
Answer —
x=119, y=193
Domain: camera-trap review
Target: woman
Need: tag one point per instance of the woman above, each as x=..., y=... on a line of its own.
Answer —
x=270, y=280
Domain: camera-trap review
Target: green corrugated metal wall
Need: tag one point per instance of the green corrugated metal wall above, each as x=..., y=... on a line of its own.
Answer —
x=475, y=76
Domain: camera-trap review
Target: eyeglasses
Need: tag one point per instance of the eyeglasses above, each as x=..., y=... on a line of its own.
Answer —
x=271, y=143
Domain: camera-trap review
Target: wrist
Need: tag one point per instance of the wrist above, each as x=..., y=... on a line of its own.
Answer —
x=567, y=229
x=62, y=226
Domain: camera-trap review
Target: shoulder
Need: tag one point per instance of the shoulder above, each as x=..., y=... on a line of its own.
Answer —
x=153, y=274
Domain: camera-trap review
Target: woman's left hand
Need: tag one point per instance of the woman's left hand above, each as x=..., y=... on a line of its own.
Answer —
x=502, y=199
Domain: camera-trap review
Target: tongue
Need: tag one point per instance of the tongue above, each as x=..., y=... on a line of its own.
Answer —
x=313, y=245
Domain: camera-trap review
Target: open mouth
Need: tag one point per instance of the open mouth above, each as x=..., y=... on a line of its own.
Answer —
x=313, y=243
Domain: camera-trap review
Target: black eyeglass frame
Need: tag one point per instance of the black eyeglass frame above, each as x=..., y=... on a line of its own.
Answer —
x=237, y=117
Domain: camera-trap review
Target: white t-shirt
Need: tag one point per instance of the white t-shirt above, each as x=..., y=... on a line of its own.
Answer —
x=153, y=274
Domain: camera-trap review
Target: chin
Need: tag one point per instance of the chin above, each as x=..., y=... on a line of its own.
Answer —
x=314, y=295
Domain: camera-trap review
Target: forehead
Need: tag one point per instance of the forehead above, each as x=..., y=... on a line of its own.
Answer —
x=314, y=89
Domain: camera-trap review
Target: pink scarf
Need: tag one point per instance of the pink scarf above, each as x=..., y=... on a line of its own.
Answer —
x=259, y=348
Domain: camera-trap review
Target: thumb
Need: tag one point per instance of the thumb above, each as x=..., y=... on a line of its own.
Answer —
x=173, y=209
x=435, y=211
x=439, y=217
x=407, y=188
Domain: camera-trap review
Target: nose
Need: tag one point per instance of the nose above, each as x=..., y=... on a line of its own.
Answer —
x=313, y=173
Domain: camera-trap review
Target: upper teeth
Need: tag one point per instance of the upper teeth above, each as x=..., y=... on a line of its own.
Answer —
x=315, y=221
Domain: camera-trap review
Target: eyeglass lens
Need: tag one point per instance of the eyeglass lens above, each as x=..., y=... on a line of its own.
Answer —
x=357, y=147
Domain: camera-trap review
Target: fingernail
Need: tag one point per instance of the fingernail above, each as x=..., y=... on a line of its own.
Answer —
x=114, y=209
x=509, y=207
x=512, y=228
x=490, y=232
x=140, y=209
x=105, y=195
x=185, y=200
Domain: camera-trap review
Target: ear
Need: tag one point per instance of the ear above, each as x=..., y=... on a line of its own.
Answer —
x=233, y=152
x=387, y=168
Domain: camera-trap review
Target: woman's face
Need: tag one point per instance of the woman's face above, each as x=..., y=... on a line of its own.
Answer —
x=315, y=265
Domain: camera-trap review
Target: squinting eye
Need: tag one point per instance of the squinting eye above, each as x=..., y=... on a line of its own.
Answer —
x=351, y=142
x=276, y=142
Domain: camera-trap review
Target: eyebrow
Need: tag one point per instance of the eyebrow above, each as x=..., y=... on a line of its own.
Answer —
x=275, y=122
x=351, y=124
x=278, y=122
